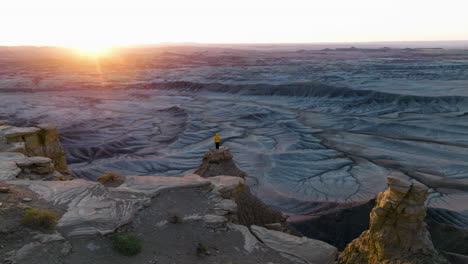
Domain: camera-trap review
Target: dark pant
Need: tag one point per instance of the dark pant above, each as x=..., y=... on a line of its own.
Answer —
x=217, y=145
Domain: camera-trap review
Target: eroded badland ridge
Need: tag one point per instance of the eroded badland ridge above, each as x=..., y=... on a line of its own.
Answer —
x=207, y=217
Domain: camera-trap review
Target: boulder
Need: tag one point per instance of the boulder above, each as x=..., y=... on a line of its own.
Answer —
x=397, y=231
x=301, y=249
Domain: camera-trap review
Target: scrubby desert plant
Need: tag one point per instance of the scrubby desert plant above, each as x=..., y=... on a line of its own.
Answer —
x=39, y=218
x=59, y=178
x=126, y=244
x=109, y=177
x=202, y=250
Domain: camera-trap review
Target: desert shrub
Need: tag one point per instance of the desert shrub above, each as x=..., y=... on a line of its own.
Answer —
x=59, y=178
x=109, y=177
x=126, y=244
x=39, y=218
x=202, y=250
x=240, y=188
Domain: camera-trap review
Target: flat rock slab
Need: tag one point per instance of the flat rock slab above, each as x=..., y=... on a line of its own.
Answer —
x=30, y=161
x=12, y=156
x=308, y=250
x=11, y=131
x=91, y=209
x=152, y=185
x=95, y=209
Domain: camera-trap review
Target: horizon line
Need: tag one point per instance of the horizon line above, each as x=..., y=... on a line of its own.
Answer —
x=241, y=43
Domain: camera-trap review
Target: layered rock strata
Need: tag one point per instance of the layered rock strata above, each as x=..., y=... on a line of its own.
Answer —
x=41, y=141
x=397, y=233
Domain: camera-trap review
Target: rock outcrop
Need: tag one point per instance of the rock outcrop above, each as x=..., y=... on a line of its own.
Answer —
x=15, y=165
x=250, y=209
x=40, y=141
x=397, y=233
x=91, y=208
x=218, y=162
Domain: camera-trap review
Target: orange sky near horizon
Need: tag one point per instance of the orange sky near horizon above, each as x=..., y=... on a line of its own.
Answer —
x=93, y=24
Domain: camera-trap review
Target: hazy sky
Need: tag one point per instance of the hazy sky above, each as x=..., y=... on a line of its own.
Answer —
x=85, y=23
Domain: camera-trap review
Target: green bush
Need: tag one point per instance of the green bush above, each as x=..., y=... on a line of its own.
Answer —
x=109, y=177
x=202, y=250
x=39, y=218
x=126, y=244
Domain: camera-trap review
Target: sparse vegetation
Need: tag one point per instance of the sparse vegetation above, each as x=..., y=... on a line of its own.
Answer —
x=109, y=177
x=59, y=178
x=126, y=244
x=39, y=218
x=202, y=250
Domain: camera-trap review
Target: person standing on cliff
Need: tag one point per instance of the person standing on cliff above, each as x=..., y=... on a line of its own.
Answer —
x=217, y=140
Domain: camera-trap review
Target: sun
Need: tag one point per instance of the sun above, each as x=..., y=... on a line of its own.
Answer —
x=92, y=49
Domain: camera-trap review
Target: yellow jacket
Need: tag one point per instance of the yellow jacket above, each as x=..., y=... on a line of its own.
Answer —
x=217, y=138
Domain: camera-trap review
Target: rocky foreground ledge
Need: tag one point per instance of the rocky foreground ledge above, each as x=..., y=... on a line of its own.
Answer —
x=171, y=215
x=221, y=205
